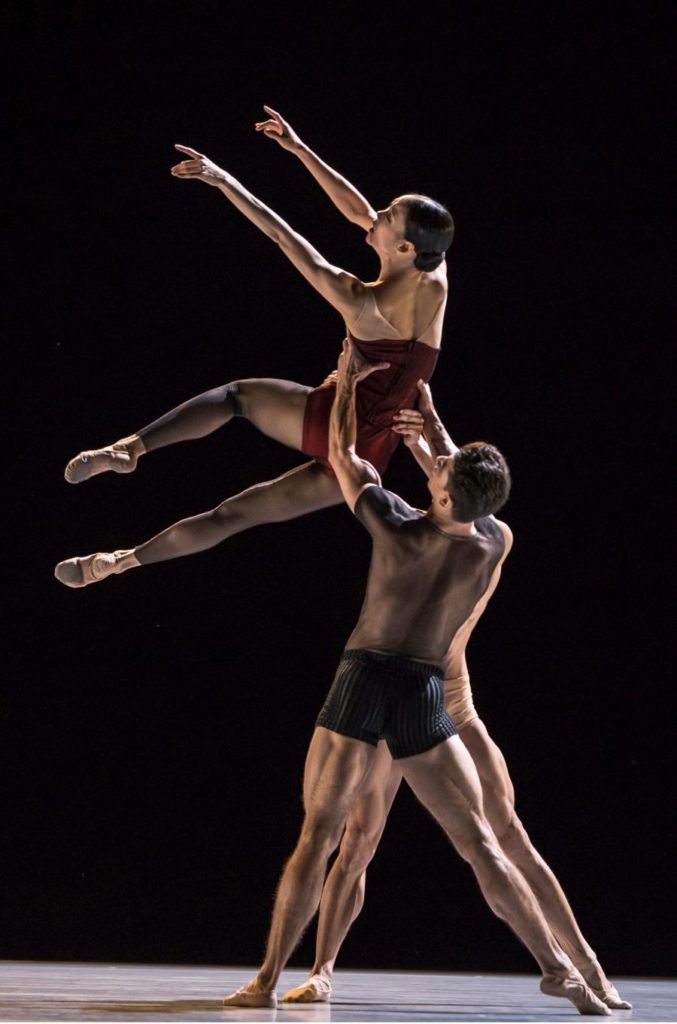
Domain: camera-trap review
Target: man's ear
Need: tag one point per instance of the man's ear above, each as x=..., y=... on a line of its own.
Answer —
x=405, y=247
x=446, y=502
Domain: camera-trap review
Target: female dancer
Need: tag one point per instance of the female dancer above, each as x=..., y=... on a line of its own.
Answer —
x=395, y=321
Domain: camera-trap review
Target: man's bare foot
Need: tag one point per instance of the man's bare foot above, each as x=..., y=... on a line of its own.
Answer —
x=120, y=457
x=612, y=997
x=80, y=572
x=595, y=977
x=251, y=994
x=572, y=986
x=317, y=989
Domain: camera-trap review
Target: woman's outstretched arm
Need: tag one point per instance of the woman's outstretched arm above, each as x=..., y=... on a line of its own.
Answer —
x=343, y=195
x=343, y=290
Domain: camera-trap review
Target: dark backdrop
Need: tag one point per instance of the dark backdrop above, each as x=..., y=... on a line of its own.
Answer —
x=154, y=728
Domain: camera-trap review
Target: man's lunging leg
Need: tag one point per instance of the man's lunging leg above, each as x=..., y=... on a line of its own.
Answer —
x=499, y=806
x=446, y=782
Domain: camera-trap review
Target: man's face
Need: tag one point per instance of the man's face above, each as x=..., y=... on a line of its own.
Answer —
x=443, y=469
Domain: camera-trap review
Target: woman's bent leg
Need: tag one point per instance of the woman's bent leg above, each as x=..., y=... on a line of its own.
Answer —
x=276, y=407
x=304, y=489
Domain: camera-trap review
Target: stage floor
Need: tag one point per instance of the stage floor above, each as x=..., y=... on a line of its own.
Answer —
x=92, y=992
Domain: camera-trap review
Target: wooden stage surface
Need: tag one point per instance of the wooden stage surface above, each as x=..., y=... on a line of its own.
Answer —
x=127, y=992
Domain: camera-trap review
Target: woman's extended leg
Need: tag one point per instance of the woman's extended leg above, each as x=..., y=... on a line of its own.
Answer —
x=276, y=407
x=303, y=489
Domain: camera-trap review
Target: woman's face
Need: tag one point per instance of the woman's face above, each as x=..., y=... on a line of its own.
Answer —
x=387, y=231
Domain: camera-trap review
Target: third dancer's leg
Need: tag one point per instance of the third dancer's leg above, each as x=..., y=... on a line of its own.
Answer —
x=446, y=782
x=343, y=892
x=499, y=806
x=336, y=766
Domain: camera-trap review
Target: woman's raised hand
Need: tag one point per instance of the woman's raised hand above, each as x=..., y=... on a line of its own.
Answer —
x=277, y=128
x=198, y=166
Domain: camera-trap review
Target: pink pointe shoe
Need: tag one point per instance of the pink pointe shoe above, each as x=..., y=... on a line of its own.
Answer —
x=80, y=572
x=114, y=457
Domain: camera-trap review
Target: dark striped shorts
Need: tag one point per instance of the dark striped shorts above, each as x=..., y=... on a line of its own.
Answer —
x=386, y=696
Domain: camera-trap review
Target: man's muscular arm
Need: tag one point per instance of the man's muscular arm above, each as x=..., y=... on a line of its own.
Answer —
x=423, y=431
x=434, y=430
x=352, y=472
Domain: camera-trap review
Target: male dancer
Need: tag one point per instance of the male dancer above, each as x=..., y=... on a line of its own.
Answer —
x=343, y=892
x=428, y=571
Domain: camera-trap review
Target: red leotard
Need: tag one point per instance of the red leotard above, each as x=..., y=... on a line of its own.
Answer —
x=379, y=396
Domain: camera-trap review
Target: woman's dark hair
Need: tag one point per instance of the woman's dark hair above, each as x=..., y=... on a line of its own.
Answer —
x=480, y=483
x=430, y=229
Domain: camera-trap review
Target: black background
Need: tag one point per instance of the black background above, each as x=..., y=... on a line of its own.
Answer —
x=154, y=728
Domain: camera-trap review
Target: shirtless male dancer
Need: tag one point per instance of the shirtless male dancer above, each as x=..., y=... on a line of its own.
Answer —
x=343, y=892
x=428, y=571
x=396, y=319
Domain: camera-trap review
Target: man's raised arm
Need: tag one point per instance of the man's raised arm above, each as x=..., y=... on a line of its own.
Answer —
x=352, y=472
x=423, y=432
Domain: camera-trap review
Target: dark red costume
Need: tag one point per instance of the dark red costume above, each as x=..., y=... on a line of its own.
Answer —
x=379, y=397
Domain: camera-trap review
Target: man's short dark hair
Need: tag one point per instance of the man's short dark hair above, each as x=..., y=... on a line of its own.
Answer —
x=480, y=483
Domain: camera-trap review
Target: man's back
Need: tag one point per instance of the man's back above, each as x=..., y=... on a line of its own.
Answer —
x=423, y=583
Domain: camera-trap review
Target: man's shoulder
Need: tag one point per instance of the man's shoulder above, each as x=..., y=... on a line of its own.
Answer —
x=386, y=505
x=494, y=529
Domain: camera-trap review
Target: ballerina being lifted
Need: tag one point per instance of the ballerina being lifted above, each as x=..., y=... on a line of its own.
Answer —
x=394, y=322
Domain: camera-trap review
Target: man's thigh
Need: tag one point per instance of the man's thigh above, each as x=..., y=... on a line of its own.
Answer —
x=336, y=769
x=446, y=782
x=372, y=804
x=498, y=793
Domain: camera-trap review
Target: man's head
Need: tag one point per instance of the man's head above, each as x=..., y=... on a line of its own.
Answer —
x=473, y=483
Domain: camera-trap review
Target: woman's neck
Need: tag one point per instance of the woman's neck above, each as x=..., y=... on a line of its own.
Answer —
x=395, y=269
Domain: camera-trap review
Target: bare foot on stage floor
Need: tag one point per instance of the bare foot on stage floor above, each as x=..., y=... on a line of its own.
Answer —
x=599, y=983
x=252, y=995
x=317, y=989
x=572, y=986
x=80, y=572
x=120, y=457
